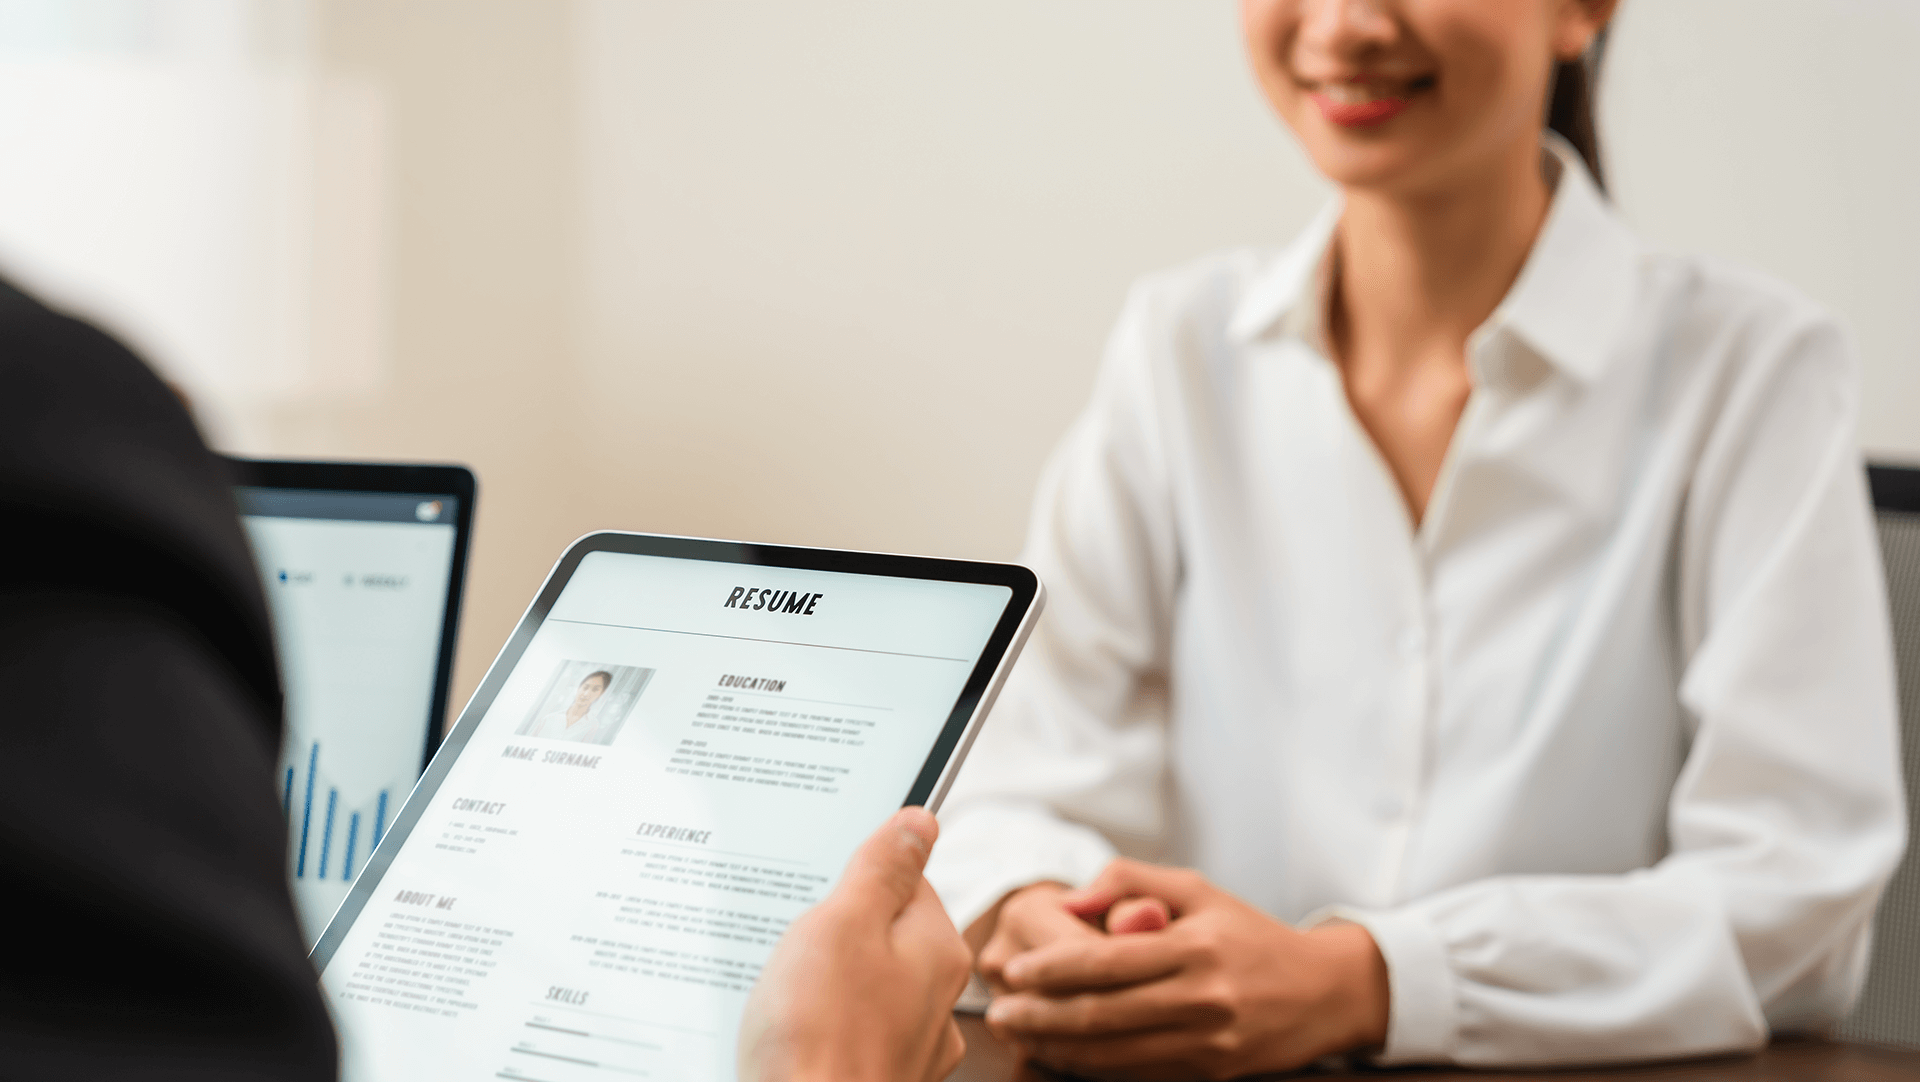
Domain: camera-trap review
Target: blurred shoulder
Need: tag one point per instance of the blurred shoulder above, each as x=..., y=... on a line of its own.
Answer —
x=105, y=482
x=1754, y=380
x=1206, y=290
x=1734, y=323
x=1238, y=291
x=72, y=392
x=1201, y=314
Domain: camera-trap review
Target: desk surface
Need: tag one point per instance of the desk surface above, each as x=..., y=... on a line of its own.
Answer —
x=1785, y=1061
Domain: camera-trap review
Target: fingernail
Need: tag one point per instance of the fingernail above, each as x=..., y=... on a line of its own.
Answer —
x=918, y=823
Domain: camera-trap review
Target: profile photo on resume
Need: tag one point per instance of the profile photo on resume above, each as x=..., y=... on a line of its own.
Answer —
x=585, y=702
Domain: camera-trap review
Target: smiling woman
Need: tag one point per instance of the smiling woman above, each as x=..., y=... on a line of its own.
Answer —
x=1437, y=591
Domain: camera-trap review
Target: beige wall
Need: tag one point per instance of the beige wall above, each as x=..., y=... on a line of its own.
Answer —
x=849, y=266
x=839, y=272
x=482, y=170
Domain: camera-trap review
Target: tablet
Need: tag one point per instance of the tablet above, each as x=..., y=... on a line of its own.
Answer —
x=362, y=563
x=673, y=756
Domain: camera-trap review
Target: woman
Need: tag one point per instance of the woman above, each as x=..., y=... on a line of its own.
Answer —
x=577, y=721
x=1485, y=608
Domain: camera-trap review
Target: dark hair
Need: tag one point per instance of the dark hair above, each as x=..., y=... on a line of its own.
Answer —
x=606, y=679
x=1570, y=109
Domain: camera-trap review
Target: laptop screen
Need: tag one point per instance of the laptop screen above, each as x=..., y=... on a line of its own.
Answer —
x=357, y=585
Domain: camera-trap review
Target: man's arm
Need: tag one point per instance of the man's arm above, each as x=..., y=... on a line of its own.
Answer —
x=144, y=856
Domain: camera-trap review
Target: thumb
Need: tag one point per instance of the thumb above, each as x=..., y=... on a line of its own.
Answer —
x=885, y=871
x=1138, y=915
x=1177, y=889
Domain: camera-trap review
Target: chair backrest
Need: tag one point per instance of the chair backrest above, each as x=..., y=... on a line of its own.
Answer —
x=1889, y=1007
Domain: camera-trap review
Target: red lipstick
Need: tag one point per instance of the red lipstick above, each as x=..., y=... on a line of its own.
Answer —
x=1362, y=114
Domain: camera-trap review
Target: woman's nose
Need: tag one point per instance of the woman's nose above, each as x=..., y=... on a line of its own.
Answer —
x=1344, y=28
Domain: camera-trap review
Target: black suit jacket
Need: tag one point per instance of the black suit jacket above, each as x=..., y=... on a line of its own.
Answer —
x=149, y=928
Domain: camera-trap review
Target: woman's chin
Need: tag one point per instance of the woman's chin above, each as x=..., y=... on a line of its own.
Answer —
x=1379, y=163
x=1366, y=174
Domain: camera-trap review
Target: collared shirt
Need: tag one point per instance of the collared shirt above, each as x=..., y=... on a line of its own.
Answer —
x=554, y=725
x=1603, y=751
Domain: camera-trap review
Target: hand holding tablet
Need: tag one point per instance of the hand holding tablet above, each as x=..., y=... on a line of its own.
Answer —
x=648, y=787
x=861, y=989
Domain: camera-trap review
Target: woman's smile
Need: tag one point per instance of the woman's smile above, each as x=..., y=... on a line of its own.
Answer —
x=1366, y=102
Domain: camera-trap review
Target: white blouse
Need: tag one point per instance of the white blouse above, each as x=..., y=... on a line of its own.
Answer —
x=1603, y=753
x=553, y=726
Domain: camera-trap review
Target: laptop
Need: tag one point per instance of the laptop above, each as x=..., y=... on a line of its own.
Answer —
x=363, y=565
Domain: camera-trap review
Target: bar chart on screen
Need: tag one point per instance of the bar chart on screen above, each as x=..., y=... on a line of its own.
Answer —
x=333, y=826
x=322, y=820
x=357, y=609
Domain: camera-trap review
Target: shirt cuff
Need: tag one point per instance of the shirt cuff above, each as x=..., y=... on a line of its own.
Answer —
x=1421, y=1000
x=985, y=854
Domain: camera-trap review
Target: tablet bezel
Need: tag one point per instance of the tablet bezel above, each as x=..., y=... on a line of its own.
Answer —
x=930, y=784
x=391, y=479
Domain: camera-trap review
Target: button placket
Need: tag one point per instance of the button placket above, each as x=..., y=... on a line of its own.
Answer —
x=1399, y=782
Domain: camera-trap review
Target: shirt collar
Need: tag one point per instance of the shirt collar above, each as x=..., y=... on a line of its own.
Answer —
x=1577, y=287
x=1280, y=288
x=1571, y=297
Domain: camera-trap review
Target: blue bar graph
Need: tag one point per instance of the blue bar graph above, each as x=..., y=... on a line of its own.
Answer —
x=326, y=833
x=353, y=834
x=306, y=816
x=312, y=784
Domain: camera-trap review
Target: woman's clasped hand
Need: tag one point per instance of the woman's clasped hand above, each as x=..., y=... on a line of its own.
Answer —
x=1217, y=989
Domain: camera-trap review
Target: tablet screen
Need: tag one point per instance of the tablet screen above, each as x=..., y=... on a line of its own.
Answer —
x=681, y=758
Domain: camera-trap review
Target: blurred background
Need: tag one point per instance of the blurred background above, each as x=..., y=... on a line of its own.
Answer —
x=830, y=273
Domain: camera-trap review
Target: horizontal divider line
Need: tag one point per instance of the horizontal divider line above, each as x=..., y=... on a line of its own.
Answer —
x=798, y=699
x=750, y=638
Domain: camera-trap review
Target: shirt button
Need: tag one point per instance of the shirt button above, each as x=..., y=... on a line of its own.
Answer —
x=1409, y=643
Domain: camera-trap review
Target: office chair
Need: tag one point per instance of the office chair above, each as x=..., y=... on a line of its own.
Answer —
x=1889, y=1007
